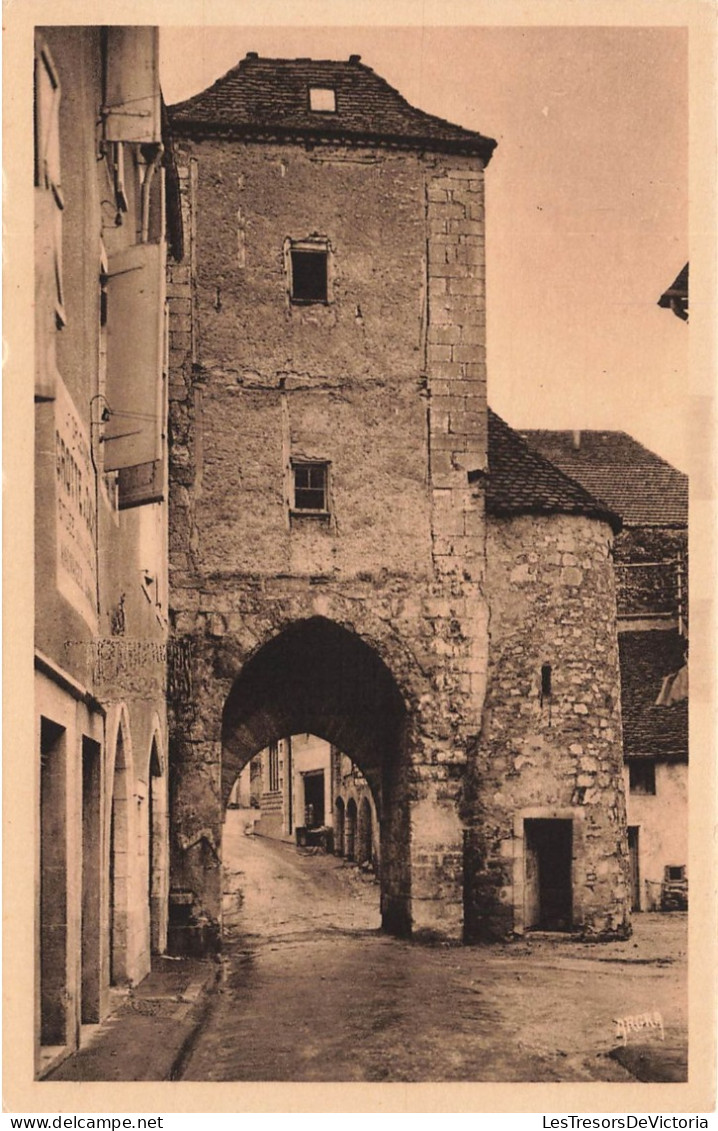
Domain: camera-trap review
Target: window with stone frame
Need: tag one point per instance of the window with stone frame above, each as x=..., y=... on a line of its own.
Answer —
x=642, y=775
x=311, y=487
x=308, y=270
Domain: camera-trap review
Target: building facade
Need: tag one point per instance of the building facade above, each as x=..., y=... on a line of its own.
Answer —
x=330, y=565
x=101, y=602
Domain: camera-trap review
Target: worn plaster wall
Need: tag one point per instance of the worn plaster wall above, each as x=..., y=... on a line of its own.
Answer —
x=662, y=838
x=386, y=382
x=556, y=756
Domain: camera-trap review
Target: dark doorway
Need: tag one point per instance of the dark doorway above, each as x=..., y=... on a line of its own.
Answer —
x=548, y=855
x=314, y=799
x=635, y=873
x=53, y=885
x=91, y=880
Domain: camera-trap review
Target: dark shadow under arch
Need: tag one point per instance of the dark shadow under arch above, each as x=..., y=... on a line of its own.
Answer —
x=316, y=677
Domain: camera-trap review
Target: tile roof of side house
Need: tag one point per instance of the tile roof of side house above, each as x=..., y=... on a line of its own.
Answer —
x=521, y=481
x=633, y=481
x=269, y=99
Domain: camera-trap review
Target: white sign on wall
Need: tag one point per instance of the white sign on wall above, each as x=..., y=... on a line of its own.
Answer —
x=76, y=510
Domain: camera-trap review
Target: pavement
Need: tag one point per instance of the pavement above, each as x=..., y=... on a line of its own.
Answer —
x=309, y=989
x=148, y=1034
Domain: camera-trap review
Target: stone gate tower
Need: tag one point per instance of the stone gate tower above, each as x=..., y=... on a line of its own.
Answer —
x=328, y=398
x=328, y=453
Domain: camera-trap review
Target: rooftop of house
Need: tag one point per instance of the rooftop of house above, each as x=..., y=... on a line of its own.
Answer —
x=650, y=730
x=270, y=99
x=633, y=481
x=521, y=481
x=675, y=298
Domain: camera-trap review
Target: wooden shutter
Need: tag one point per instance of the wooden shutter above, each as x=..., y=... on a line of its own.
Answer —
x=49, y=304
x=135, y=338
x=132, y=86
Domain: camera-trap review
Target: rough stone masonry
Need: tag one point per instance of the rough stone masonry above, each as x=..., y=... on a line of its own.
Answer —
x=364, y=620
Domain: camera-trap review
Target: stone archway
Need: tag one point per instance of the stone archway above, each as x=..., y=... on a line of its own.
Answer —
x=351, y=830
x=157, y=872
x=119, y=864
x=364, y=833
x=316, y=677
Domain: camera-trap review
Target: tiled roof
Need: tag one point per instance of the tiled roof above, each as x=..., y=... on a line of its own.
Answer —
x=633, y=481
x=520, y=481
x=646, y=659
x=269, y=98
x=677, y=290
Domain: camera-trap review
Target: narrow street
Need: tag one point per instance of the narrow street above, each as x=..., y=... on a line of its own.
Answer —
x=313, y=991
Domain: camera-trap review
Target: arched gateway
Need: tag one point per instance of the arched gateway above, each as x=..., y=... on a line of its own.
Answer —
x=315, y=676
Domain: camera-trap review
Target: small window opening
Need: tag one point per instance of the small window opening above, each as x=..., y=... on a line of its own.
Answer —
x=310, y=487
x=323, y=99
x=674, y=873
x=642, y=776
x=545, y=681
x=309, y=275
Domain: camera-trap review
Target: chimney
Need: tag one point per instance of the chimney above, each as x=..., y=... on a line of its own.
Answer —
x=355, y=58
x=576, y=441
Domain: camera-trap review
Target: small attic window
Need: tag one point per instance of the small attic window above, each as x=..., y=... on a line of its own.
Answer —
x=323, y=99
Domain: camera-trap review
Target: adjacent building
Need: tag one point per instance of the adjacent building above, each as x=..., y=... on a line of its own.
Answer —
x=104, y=216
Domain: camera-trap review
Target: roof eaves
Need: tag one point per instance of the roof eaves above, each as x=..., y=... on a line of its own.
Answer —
x=471, y=147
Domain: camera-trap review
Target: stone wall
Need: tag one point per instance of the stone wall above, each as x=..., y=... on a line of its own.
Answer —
x=549, y=753
x=385, y=382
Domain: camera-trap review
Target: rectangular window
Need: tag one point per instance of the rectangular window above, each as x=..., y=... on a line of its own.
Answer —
x=310, y=487
x=309, y=274
x=323, y=99
x=642, y=776
x=674, y=873
x=273, y=767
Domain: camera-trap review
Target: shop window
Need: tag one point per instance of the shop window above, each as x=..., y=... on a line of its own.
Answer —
x=323, y=99
x=310, y=488
x=642, y=776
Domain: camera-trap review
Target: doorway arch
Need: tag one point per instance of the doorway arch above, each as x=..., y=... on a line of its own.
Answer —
x=317, y=677
x=157, y=832
x=119, y=862
x=364, y=833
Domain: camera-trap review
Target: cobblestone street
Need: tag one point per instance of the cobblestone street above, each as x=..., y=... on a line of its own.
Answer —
x=313, y=991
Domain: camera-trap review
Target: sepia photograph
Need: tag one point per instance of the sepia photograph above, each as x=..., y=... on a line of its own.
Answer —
x=368, y=399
